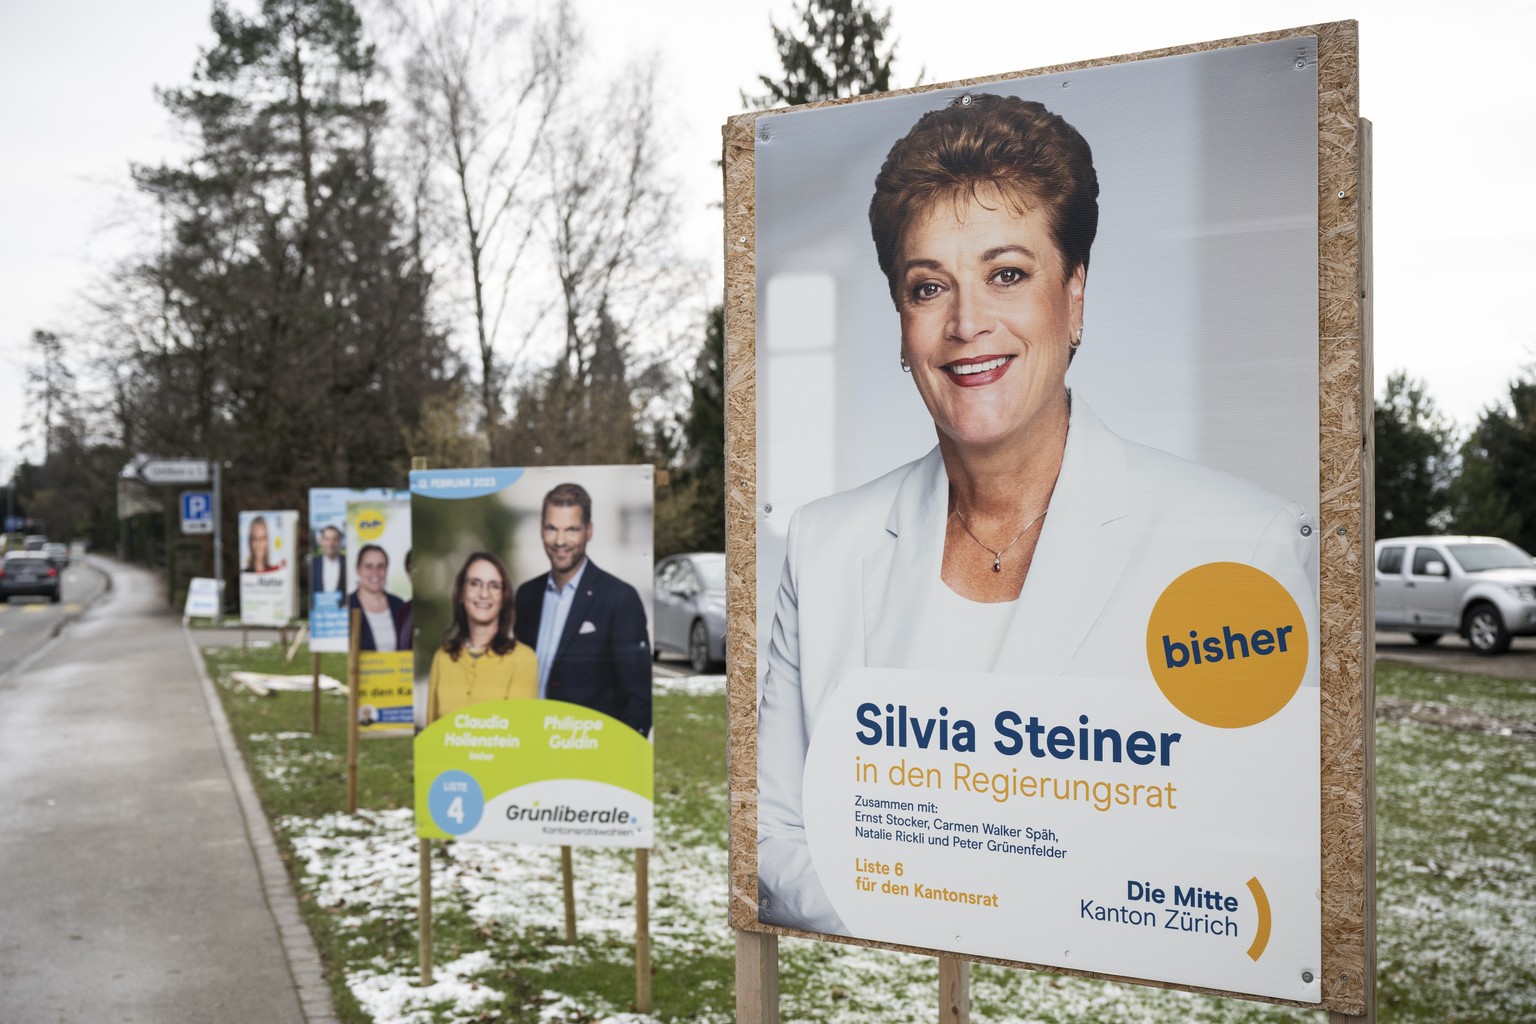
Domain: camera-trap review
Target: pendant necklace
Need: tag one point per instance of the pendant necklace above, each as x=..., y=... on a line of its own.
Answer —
x=997, y=556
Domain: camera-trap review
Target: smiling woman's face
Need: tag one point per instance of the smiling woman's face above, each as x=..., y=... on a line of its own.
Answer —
x=372, y=569
x=988, y=315
x=482, y=593
x=258, y=542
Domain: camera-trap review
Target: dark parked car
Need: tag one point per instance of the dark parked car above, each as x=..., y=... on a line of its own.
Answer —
x=25, y=572
x=690, y=608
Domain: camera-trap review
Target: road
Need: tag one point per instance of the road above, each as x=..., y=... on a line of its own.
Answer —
x=129, y=884
x=1453, y=654
x=26, y=623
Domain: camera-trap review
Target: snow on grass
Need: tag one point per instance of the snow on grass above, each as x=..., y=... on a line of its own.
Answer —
x=1457, y=914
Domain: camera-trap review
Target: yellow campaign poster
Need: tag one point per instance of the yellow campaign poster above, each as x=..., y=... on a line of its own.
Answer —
x=378, y=544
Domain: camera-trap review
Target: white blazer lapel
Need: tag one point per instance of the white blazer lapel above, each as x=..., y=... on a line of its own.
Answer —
x=1083, y=550
x=899, y=576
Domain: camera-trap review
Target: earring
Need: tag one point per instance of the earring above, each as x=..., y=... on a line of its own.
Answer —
x=1077, y=341
x=906, y=367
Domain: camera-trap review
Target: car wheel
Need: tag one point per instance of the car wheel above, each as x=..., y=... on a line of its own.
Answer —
x=1485, y=631
x=1426, y=639
x=698, y=648
x=55, y=598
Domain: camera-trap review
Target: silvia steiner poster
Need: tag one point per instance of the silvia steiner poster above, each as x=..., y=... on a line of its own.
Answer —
x=533, y=660
x=1069, y=716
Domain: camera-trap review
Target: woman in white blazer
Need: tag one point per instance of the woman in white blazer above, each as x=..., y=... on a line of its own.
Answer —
x=1032, y=538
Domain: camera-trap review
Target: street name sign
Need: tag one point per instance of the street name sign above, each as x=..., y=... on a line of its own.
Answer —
x=174, y=471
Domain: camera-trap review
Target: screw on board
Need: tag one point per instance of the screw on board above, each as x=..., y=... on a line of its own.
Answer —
x=1341, y=193
x=1343, y=531
x=763, y=133
x=965, y=100
x=1306, y=977
x=1306, y=531
x=767, y=510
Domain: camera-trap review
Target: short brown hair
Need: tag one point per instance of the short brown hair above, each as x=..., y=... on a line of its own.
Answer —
x=568, y=495
x=1030, y=155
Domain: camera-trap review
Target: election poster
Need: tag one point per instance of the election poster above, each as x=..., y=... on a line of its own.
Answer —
x=378, y=533
x=1038, y=518
x=268, y=581
x=330, y=578
x=533, y=654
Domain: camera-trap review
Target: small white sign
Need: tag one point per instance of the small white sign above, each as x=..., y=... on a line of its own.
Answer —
x=202, y=599
x=174, y=471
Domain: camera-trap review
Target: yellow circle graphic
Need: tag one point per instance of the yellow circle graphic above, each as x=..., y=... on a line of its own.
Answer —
x=369, y=523
x=1227, y=645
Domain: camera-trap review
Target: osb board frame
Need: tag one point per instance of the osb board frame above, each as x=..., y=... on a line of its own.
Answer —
x=1347, y=697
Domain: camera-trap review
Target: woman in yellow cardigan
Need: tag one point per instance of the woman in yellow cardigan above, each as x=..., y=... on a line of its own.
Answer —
x=480, y=660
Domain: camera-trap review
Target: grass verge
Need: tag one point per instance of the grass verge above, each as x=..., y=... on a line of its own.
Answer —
x=1456, y=876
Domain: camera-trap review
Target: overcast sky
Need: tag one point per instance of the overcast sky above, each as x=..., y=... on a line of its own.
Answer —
x=1452, y=98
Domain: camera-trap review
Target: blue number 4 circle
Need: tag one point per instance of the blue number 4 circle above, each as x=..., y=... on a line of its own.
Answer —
x=456, y=802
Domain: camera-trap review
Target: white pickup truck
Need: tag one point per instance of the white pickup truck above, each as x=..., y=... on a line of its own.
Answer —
x=1483, y=588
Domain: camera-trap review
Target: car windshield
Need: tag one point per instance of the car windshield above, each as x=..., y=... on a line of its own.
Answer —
x=711, y=572
x=1483, y=557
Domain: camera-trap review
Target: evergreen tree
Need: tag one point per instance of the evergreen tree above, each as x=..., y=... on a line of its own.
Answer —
x=838, y=49
x=1496, y=491
x=290, y=334
x=1415, y=450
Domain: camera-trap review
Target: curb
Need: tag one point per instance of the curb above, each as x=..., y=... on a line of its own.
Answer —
x=298, y=945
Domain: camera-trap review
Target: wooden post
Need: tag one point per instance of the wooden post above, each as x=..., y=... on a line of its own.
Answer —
x=423, y=845
x=299, y=636
x=314, y=694
x=1368, y=610
x=354, y=640
x=757, y=978
x=643, y=930
x=424, y=907
x=568, y=885
x=954, y=990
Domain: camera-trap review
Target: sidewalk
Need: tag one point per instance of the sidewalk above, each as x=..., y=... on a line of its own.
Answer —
x=129, y=885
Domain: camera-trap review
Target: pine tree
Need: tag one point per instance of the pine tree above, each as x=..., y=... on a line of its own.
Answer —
x=290, y=334
x=837, y=50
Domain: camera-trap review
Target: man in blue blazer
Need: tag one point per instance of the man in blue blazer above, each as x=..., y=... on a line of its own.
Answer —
x=586, y=626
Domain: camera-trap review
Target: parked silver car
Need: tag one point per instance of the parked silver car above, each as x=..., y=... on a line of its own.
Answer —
x=1483, y=588
x=690, y=608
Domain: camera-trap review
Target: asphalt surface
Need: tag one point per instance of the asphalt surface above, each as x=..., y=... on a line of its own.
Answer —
x=26, y=623
x=1453, y=654
x=129, y=889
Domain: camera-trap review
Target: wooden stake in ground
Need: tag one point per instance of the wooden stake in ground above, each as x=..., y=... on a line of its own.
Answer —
x=423, y=854
x=643, y=930
x=314, y=694
x=954, y=990
x=354, y=640
x=568, y=885
x=424, y=906
x=757, y=978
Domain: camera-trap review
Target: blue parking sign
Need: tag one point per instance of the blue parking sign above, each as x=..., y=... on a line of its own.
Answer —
x=196, y=512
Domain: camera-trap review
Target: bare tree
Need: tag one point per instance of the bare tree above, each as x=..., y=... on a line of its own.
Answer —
x=484, y=85
x=609, y=219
